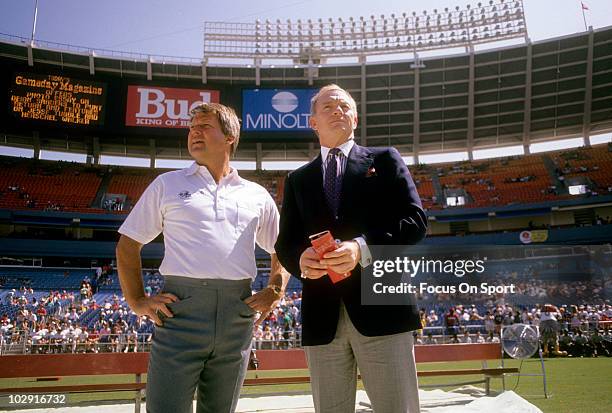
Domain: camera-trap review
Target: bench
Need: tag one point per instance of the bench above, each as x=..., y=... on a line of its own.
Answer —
x=296, y=359
x=49, y=368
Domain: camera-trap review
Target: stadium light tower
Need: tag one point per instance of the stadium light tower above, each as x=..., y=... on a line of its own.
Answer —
x=314, y=41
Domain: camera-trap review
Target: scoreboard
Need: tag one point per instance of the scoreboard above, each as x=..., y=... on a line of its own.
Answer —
x=58, y=99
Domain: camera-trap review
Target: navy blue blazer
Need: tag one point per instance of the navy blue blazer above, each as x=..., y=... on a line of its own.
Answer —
x=378, y=202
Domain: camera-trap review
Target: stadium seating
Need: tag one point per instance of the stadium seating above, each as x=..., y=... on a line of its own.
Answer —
x=43, y=185
x=593, y=163
x=487, y=183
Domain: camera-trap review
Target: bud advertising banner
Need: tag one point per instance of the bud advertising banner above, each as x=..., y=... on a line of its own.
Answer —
x=164, y=107
x=276, y=109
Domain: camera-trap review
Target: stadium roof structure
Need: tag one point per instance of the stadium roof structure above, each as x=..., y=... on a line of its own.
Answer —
x=510, y=96
x=313, y=41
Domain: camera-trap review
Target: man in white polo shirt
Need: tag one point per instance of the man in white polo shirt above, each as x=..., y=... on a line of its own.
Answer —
x=211, y=219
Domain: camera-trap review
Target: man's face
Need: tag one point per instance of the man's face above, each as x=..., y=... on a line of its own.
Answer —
x=334, y=119
x=206, y=141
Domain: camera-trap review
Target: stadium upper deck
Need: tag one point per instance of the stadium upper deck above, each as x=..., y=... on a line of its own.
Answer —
x=516, y=95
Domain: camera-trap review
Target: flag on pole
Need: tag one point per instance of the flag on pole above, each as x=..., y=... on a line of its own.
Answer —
x=584, y=7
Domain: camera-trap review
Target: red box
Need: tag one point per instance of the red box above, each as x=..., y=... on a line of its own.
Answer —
x=324, y=242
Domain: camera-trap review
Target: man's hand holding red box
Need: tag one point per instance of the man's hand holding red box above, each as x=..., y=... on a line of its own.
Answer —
x=328, y=257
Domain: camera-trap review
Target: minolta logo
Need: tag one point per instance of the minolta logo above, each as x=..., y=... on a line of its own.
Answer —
x=184, y=194
x=284, y=102
x=282, y=115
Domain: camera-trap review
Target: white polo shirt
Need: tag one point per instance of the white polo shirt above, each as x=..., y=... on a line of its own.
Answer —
x=209, y=230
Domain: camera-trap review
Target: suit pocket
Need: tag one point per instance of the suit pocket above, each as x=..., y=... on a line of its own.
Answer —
x=180, y=306
x=245, y=310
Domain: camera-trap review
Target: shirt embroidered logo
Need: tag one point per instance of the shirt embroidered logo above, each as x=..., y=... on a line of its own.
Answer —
x=184, y=195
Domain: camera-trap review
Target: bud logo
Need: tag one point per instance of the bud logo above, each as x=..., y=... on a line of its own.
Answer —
x=162, y=107
x=274, y=110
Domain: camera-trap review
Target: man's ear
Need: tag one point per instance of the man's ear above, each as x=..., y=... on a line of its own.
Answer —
x=230, y=140
x=312, y=123
x=356, y=122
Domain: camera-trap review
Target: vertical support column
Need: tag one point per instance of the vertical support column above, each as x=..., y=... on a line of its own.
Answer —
x=152, y=153
x=92, y=66
x=310, y=76
x=416, y=127
x=588, y=92
x=258, y=156
x=257, y=63
x=312, y=152
x=471, y=109
x=36, y=141
x=527, y=119
x=30, y=53
x=149, y=68
x=363, y=120
x=204, y=73
x=95, y=149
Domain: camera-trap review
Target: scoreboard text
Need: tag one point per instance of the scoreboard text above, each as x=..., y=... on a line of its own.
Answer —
x=58, y=99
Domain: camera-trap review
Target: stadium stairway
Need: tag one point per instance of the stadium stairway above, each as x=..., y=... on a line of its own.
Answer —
x=97, y=201
x=437, y=187
x=550, y=168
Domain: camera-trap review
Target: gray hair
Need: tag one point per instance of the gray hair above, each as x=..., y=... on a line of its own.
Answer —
x=331, y=86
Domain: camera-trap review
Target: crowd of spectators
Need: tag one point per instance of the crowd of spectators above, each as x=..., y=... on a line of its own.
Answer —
x=281, y=328
x=59, y=322
x=113, y=204
x=584, y=330
x=87, y=320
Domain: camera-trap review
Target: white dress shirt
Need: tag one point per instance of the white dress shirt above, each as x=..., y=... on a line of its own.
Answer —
x=209, y=229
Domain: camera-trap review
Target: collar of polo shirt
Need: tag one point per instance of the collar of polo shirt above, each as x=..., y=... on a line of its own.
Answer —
x=195, y=167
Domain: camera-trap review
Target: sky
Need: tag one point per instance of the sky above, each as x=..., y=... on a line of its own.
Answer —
x=175, y=28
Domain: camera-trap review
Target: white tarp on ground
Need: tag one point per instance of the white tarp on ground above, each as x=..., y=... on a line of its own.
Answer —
x=466, y=399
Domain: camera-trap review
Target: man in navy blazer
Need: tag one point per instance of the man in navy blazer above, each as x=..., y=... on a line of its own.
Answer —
x=364, y=196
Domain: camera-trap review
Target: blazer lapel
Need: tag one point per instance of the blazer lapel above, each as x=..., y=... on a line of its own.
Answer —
x=357, y=165
x=315, y=205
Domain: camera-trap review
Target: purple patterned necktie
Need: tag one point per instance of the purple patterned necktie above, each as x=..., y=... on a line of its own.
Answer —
x=332, y=182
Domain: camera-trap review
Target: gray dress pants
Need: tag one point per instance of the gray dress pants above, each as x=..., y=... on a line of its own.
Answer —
x=205, y=346
x=386, y=364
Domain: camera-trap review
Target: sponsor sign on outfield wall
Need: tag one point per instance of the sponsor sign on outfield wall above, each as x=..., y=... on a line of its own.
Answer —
x=276, y=109
x=164, y=107
x=57, y=99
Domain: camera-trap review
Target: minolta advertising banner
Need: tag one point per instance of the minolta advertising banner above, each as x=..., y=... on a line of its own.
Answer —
x=276, y=109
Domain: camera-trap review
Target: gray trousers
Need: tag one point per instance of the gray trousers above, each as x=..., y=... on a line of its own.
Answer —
x=206, y=345
x=386, y=364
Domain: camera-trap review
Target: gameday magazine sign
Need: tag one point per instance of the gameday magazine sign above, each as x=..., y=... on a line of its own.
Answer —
x=164, y=107
x=57, y=99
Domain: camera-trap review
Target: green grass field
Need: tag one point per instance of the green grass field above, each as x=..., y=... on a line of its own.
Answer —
x=575, y=385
